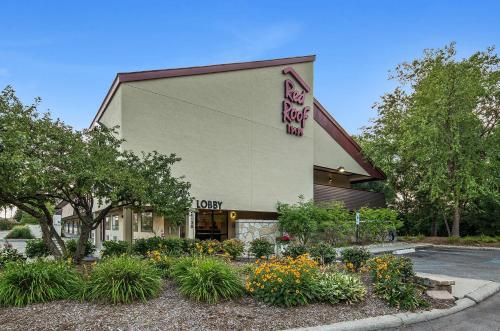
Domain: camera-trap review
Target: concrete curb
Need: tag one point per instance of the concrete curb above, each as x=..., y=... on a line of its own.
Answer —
x=403, y=319
x=478, y=248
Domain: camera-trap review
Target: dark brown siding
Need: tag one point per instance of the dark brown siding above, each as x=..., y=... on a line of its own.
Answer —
x=353, y=199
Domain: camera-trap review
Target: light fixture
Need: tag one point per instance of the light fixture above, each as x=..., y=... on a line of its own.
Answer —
x=330, y=179
x=341, y=170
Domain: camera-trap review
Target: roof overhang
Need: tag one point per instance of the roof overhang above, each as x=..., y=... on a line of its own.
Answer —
x=333, y=128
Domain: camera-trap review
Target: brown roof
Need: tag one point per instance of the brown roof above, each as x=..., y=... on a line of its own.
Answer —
x=191, y=71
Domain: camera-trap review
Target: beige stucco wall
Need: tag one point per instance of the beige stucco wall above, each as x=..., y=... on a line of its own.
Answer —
x=227, y=128
x=113, y=115
x=329, y=154
x=66, y=211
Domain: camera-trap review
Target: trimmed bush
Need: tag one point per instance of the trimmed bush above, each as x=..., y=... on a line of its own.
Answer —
x=20, y=232
x=296, y=250
x=123, y=279
x=72, y=244
x=354, y=258
x=261, y=247
x=338, y=287
x=114, y=248
x=143, y=246
x=233, y=247
x=39, y=281
x=284, y=282
x=6, y=225
x=36, y=248
x=210, y=280
x=9, y=254
x=325, y=253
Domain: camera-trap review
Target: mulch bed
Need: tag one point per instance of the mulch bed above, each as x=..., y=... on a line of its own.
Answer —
x=172, y=311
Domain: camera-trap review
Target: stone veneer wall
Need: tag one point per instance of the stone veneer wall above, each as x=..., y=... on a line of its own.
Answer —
x=248, y=230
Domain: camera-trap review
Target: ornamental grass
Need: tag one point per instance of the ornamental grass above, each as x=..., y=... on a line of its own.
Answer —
x=284, y=282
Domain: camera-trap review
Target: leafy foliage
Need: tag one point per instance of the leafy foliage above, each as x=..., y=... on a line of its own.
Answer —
x=72, y=244
x=20, y=232
x=6, y=225
x=233, y=247
x=9, y=254
x=377, y=223
x=164, y=263
x=355, y=258
x=115, y=248
x=208, y=247
x=261, y=247
x=338, y=287
x=325, y=253
x=36, y=248
x=123, y=279
x=38, y=281
x=284, y=282
x=436, y=137
x=210, y=280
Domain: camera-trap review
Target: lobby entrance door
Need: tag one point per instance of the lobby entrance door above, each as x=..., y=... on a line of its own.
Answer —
x=211, y=224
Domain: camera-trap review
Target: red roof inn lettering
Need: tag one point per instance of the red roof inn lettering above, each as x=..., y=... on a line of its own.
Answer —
x=294, y=111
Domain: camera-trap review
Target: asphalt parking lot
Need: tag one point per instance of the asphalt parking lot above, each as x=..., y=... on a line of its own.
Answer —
x=466, y=263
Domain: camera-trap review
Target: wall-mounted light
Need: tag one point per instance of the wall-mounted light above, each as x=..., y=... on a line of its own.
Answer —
x=341, y=170
x=233, y=215
x=330, y=179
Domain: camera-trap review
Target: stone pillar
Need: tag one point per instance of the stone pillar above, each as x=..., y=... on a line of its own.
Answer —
x=248, y=230
x=127, y=225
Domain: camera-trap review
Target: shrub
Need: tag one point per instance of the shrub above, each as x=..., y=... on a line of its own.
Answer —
x=181, y=267
x=210, y=280
x=173, y=246
x=9, y=254
x=377, y=223
x=296, y=250
x=208, y=247
x=163, y=263
x=190, y=245
x=114, y=248
x=261, y=247
x=233, y=247
x=338, y=227
x=72, y=244
x=39, y=281
x=393, y=282
x=338, y=287
x=36, y=248
x=354, y=258
x=20, y=232
x=325, y=253
x=123, y=279
x=143, y=246
x=284, y=282
x=6, y=225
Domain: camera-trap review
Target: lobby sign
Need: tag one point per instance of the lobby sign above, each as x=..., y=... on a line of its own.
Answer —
x=294, y=114
x=208, y=204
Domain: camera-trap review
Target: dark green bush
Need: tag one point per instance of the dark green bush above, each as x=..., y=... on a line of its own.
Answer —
x=261, y=247
x=190, y=245
x=6, y=225
x=39, y=281
x=9, y=254
x=296, y=250
x=36, y=248
x=20, y=232
x=114, y=248
x=181, y=266
x=123, y=279
x=323, y=252
x=173, y=246
x=145, y=245
x=210, y=280
x=355, y=256
x=72, y=244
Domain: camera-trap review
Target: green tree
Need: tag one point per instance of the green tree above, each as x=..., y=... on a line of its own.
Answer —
x=44, y=162
x=436, y=136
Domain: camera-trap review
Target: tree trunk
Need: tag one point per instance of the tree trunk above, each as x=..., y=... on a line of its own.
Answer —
x=446, y=223
x=85, y=230
x=455, y=231
x=47, y=238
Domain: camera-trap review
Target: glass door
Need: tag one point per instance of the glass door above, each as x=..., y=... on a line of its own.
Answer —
x=211, y=224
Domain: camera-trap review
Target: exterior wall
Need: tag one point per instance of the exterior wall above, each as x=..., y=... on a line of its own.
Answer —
x=67, y=211
x=323, y=178
x=227, y=129
x=113, y=115
x=248, y=230
x=353, y=199
x=329, y=154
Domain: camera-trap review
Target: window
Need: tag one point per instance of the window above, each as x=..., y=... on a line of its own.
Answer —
x=147, y=222
x=115, y=223
x=135, y=222
x=108, y=223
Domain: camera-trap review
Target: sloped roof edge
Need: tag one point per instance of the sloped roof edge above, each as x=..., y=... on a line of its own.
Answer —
x=191, y=71
x=335, y=130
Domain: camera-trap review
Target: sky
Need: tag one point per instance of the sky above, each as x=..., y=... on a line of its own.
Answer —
x=68, y=52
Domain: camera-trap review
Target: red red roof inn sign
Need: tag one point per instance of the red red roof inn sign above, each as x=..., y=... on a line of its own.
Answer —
x=294, y=114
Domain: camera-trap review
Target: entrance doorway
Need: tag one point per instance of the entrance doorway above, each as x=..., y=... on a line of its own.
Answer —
x=211, y=224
